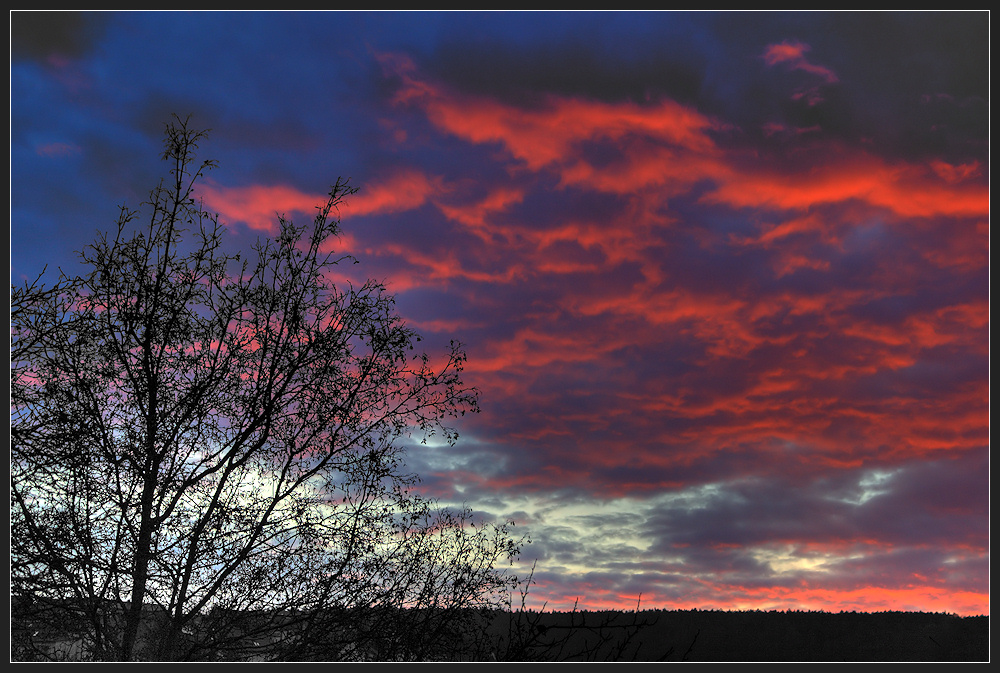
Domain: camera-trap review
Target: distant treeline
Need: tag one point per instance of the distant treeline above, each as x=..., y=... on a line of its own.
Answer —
x=793, y=635
x=580, y=635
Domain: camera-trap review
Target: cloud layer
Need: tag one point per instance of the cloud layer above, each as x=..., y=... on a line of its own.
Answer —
x=723, y=284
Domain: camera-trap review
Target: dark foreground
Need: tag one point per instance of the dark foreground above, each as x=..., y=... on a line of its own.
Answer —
x=763, y=636
x=470, y=635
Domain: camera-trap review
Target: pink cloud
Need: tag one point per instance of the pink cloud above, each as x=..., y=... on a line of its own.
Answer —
x=257, y=206
x=406, y=189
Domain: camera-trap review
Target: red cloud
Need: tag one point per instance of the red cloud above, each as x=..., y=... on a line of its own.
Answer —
x=908, y=190
x=556, y=134
x=404, y=190
x=476, y=216
x=793, y=55
x=670, y=147
x=955, y=174
x=763, y=369
x=258, y=206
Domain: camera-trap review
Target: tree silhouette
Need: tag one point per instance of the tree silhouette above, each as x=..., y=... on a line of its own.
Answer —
x=206, y=457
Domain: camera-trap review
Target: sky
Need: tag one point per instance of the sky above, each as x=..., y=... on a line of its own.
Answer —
x=722, y=278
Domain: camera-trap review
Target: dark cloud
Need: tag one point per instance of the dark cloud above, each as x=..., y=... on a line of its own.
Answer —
x=937, y=64
x=39, y=35
x=924, y=504
x=577, y=65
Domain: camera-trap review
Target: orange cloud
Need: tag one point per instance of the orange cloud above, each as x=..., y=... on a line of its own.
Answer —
x=905, y=189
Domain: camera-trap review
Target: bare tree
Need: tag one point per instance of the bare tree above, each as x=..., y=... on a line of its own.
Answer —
x=206, y=456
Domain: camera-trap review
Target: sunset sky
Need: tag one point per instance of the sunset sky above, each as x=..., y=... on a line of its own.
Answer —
x=723, y=278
